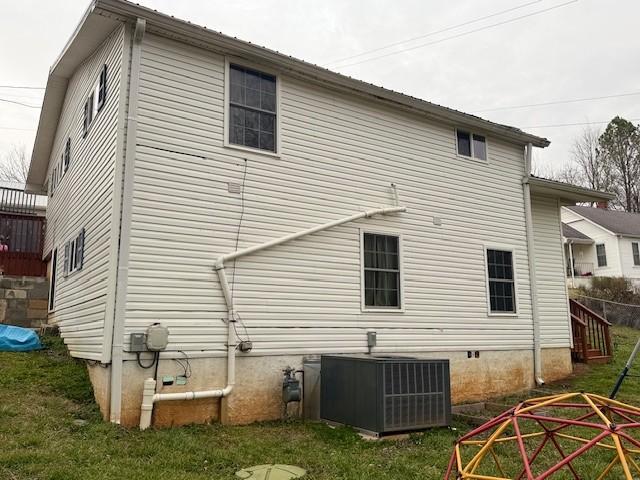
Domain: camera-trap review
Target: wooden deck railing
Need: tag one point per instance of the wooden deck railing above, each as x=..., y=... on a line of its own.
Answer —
x=591, y=335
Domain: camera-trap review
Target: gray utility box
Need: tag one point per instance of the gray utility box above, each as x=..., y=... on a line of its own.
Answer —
x=381, y=394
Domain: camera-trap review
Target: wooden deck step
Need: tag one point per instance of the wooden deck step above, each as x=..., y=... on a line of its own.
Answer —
x=599, y=359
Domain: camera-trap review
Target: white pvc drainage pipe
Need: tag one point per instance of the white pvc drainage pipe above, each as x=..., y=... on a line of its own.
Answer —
x=150, y=397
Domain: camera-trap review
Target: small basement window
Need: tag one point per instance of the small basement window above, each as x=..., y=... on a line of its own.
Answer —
x=381, y=271
x=471, y=145
x=636, y=253
x=501, y=279
x=252, y=108
x=601, y=253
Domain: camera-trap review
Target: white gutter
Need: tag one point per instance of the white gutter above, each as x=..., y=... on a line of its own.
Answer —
x=150, y=397
x=125, y=226
x=528, y=216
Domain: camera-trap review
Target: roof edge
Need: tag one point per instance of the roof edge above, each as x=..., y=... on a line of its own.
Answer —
x=183, y=28
x=568, y=191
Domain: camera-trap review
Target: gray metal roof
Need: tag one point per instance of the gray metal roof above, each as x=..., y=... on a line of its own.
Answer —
x=103, y=15
x=571, y=233
x=620, y=223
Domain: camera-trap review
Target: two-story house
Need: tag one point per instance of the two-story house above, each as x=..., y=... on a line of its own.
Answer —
x=264, y=210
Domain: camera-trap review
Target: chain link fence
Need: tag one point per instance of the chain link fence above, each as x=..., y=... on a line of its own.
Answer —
x=615, y=312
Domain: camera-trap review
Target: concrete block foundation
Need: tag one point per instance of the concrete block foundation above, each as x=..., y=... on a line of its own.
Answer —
x=258, y=390
x=24, y=301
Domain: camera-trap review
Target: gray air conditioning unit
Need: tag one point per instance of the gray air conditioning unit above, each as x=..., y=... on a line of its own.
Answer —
x=381, y=395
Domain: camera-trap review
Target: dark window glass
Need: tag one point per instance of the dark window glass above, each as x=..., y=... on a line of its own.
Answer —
x=252, y=98
x=88, y=114
x=67, y=154
x=501, y=281
x=601, y=253
x=479, y=147
x=102, y=88
x=381, y=271
x=464, y=143
x=636, y=253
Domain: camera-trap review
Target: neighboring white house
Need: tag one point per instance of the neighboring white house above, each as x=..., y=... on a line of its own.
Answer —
x=602, y=243
x=165, y=147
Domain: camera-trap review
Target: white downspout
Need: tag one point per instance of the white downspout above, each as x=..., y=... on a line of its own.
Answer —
x=125, y=225
x=149, y=395
x=528, y=216
x=573, y=274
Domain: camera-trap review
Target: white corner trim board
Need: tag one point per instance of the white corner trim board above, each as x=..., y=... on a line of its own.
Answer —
x=149, y=395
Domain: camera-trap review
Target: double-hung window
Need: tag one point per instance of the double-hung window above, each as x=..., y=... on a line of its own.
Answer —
x=471, y=145
x=74, y=254
x=381, y=256
x=67, y=154
x=95, y=101
x=252, y=108
x=601, y=254
x=501, y=279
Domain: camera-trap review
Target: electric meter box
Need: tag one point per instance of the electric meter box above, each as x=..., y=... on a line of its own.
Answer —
x=157, y=337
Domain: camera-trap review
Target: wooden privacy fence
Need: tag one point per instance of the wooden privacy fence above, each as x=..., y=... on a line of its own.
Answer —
x=23, y=236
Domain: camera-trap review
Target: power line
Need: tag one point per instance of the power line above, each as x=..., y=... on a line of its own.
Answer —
x=22, y=87
x=576, y=124
x=453, y=27
x=557, y=102
x=537, y=12
x=18, y=103
x=20, y=129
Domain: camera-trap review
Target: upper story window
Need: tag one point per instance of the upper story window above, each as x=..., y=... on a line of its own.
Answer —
x=102, y=88
x=471, y=145
x=67, y=154
x=381, y=271
x=252, y=108
x=501, y=278
x=601, y=253
x=95, y=101
x=636, y=253
x=60, y=167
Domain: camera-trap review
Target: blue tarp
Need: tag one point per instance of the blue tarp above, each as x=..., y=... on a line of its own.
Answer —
x=18, y=339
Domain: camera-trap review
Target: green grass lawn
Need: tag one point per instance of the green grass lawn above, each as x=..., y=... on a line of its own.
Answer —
x=43, y=394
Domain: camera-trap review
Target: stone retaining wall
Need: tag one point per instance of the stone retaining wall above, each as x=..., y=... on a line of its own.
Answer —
x=23, y=301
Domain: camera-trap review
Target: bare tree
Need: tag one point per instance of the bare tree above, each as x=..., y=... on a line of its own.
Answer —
x=592, y=166
x=14, y=165
x=619, y=145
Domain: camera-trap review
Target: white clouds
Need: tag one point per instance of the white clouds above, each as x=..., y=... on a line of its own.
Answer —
x=588, y=48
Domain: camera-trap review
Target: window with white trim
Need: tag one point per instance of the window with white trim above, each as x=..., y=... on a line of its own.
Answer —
x=381, y=256
x=635, y=248
x=74, y=254
x=471, y=144
x=501, y=280
x=601, y=254
x=95, y=101
x=252, y=108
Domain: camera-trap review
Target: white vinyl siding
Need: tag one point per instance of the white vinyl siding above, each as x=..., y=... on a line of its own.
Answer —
x=550, y=274
x=84, y=199
x=338, y=155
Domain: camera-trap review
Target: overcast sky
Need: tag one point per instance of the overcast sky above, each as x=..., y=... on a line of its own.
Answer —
x=586, y=48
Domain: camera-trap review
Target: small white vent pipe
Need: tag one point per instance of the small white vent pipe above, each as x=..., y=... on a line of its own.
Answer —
x=149, y=396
